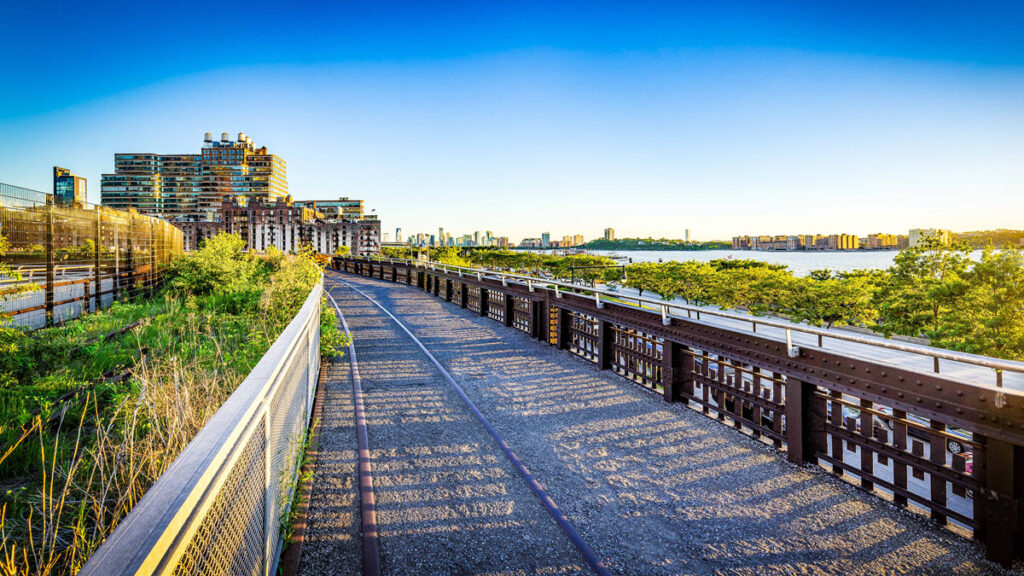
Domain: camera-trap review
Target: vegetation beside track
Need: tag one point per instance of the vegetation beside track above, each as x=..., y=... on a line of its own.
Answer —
x=88, y=422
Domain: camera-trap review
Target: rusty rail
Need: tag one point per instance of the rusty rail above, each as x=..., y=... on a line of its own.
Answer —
x=951, y=450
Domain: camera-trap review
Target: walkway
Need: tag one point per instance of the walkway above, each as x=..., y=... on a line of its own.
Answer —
x=653, y=488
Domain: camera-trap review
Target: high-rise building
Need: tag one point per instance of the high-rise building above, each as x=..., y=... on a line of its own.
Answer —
x=68, y=188
x=609, y=233
x=398, y=235
x=545, y=239
x=687, y=238
x=194, y=186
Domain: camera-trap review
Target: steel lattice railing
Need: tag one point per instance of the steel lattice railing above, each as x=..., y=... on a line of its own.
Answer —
x=218, y=508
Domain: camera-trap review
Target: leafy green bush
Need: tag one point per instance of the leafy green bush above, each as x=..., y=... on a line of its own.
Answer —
x=221, y=266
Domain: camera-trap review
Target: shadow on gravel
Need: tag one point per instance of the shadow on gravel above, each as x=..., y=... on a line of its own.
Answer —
x=447, y=501
x=658, y=488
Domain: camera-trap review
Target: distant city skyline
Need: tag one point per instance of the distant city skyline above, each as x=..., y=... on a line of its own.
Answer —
x=649, y=118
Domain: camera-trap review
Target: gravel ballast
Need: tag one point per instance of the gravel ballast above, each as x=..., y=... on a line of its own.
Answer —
x=447, y=501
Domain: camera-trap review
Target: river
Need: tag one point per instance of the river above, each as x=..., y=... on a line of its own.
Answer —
x=800, y=263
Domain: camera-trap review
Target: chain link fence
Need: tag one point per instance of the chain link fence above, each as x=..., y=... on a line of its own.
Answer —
x=76, y=258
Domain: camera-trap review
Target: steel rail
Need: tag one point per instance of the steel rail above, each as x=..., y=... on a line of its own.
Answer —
x=921, y=350
x=367, y=502
x=589, y=556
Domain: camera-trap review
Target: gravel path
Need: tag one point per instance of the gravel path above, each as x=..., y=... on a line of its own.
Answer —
x=447, y=501
x=332, y=542
x=655, y=488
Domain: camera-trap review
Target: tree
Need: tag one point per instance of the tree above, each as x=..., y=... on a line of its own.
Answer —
x=924, y=284
x=342, y=251
x=693, y=281
x=825, y=300
x=990, y=317
x=641, y=276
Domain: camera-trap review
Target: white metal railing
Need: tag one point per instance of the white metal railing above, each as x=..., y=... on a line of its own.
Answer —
x=666, y=309
x=218, y=507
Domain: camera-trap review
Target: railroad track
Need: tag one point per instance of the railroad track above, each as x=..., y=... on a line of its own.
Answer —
x=370, y=542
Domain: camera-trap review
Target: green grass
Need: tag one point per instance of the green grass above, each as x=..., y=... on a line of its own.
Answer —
x=86, y=460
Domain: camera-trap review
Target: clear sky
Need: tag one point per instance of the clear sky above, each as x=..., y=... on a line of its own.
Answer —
x=567, y=117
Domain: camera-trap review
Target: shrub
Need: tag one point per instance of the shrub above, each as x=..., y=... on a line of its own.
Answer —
x=220, y=266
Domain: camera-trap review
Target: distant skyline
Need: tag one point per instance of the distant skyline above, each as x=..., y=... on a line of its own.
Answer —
x=651, y=118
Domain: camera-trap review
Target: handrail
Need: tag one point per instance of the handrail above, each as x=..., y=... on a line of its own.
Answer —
x=922, y=350
x=231, y=485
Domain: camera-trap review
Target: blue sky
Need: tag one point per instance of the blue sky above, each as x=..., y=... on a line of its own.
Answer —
x=724, y=118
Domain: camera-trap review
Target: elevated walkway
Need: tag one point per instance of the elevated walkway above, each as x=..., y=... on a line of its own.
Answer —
x=651, y=487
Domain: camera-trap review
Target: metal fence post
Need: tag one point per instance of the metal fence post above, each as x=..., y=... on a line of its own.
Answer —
x=564, y=332
x=605, y=343
x=152, y=257
x=997, y=508
x=805, y=425
x=48, y=239
x=96, y=259
x=483, y=301
x=510, y=309
x=672, y=370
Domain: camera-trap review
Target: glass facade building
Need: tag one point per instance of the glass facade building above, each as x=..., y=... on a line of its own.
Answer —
x=68, y=189
x=194, y=186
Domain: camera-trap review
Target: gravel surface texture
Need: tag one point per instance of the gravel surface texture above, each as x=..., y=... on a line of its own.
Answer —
x=447, y=500
x=654, y=488
x=332, y=542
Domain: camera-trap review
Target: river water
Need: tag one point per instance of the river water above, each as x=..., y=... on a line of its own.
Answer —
x=800, y=263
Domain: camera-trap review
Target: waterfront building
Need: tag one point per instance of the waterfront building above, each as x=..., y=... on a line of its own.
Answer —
x=884, y=241
x=609, y=233
x=194, y=186
x=68, y=189
x=843, y=242
x=687, y=236
x=918, y=236
x=545, y=240
x=398, y=235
